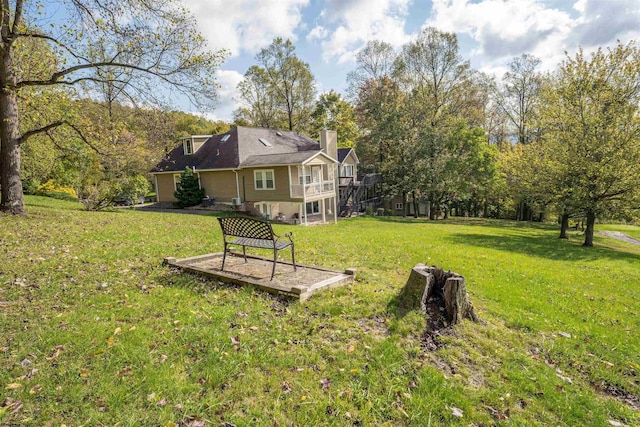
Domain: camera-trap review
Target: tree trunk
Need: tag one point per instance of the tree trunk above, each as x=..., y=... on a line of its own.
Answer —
x=415, y=205
x=588, y=234
x=11, y=197
x=564, y=225
x=428, y=284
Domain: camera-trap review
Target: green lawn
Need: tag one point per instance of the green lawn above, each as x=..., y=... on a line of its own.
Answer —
x=95, y=331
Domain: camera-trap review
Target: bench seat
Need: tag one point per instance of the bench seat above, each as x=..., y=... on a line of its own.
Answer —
x=254, y=233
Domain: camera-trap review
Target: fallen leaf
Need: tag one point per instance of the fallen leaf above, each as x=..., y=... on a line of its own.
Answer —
x=303, y=398
x=11, y=404
x=616, y=423
x=117, y=331
x=235, y=340
x=36, y=388
x=133, y=328
x=457, y=412
x=162, y=402
x=13, y=386
x=151, y=396
x=565, y=334
x=326, y=383
x=56, y=352
x=286, y=387
x=351, y=349
x=567, y=379
x=85, y=373
x=25, y=363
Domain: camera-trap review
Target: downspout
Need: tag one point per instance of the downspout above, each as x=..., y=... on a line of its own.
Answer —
x=235, y=171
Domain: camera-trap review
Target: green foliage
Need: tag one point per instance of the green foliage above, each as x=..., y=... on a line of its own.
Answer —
x=51, y=189
x=116, y=337
x=332, y=112
x=133, y=188
x=591, y=116
x=189, y=192
x=278, y=92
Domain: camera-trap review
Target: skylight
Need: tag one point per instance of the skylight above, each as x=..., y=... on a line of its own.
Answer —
x=265, y=142
x=225, y=138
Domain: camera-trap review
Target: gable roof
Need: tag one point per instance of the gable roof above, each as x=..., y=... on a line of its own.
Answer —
x=344, y=152
x=242, y=148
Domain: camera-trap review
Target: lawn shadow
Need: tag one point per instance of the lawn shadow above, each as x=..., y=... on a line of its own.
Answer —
x=467, y=221
x=544, y=246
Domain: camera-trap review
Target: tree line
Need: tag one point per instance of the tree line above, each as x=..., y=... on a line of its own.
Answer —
x=461, y=142
x=80, y=105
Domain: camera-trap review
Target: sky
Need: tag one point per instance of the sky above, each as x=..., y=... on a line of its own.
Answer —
x=328, y=33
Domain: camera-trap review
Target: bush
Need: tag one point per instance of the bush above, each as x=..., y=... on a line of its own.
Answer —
x=51, y=189
x=99, y=196
x=189, y=192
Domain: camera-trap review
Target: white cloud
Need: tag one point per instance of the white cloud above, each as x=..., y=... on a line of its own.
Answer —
x=227, y=95
x=245, y=26
x=346, y=25
x=504, y=29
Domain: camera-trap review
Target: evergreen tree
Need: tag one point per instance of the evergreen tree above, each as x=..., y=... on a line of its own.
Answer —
x=189, y=192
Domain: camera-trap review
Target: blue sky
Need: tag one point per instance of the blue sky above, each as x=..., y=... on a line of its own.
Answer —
x=329, y=33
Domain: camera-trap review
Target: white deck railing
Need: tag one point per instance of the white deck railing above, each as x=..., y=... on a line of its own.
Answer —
x=312, y=189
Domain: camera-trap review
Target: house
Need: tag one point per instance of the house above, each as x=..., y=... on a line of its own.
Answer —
x=282, y=175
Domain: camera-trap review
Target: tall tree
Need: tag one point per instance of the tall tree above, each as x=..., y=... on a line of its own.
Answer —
x=592, y=125
x=519, y=96
x=262, y=106
x=149, y=42
x=280, y=80
x=333, y=112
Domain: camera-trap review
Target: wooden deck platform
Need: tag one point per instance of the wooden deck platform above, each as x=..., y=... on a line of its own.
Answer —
x=300, y=284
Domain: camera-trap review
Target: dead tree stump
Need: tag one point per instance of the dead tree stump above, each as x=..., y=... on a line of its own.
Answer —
x=432, y=284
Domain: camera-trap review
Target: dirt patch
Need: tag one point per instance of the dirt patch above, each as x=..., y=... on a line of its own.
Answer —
x=620, y=236
x=374, y=325
x=618, y=393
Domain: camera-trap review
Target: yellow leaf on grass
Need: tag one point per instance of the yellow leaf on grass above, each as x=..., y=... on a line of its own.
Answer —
x=351, y=349
x=13, y=386
x=84, y=373
x=35, y=389
x=117, y=331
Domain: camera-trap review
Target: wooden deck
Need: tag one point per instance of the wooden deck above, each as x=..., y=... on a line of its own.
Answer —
x=300, y=284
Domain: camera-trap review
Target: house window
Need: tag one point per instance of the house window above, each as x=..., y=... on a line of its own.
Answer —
x=264, y=179
x=313, y=207
x=311, y=174
x=188, y=146
x=348, y=170
x=398, y=206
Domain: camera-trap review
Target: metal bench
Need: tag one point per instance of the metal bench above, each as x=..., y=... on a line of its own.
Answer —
x=254, y=233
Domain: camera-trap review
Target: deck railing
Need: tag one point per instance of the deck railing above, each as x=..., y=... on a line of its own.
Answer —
x=312, y=189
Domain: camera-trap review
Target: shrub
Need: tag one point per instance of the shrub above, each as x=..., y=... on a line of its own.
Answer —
x=189, y=192
x=51, y=189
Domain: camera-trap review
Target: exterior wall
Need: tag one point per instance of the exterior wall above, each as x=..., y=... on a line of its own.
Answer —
x=248, y=190
x=219, y=185
x=166, y=187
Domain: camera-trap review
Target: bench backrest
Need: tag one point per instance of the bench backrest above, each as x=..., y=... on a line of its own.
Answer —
x=246, y=227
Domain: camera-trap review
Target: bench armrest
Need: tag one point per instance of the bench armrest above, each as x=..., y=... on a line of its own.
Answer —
x=286, y=235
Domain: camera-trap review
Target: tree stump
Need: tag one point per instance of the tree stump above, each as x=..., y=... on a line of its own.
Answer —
x=427, y=285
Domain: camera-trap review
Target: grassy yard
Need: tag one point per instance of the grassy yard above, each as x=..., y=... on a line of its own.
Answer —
x=95, y=331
